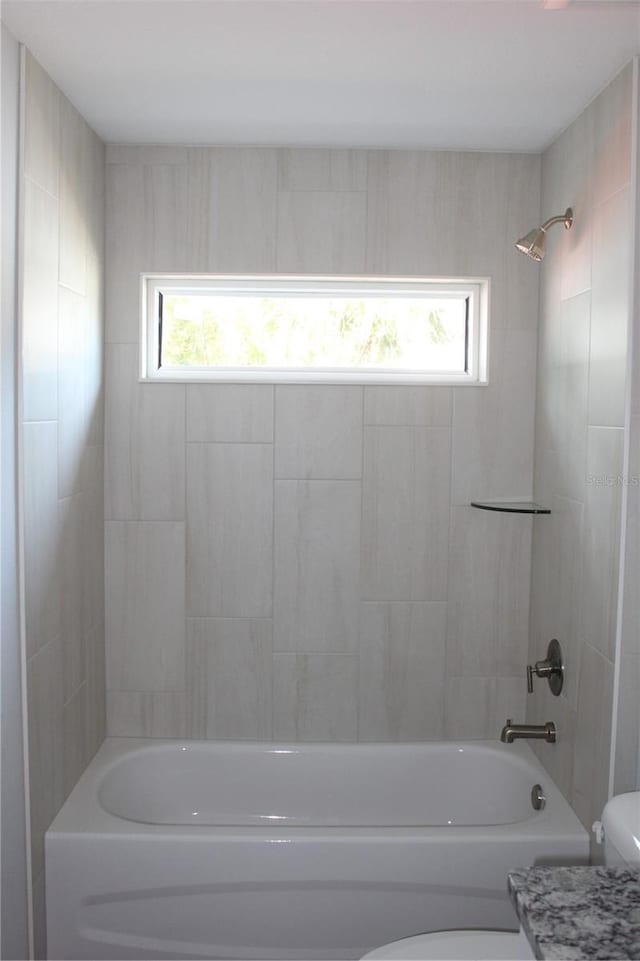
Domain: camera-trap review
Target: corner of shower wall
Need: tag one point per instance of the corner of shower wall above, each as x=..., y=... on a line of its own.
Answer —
x=60, y=449
x=625, y=758
x=14, y=880
x=581, y=425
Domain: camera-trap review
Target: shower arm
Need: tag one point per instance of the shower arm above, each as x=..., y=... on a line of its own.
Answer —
x=566, y=218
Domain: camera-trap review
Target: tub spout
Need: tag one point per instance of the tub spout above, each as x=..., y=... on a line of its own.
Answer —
x=545, y=732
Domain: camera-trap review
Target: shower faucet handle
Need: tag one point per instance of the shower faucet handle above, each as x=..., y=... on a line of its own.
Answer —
x=552, y=667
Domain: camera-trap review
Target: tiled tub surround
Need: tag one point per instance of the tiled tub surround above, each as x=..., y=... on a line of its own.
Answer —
x=627, y=743
x=301, y=562
x=577, y=913
x=62, y=350
x=580, y=422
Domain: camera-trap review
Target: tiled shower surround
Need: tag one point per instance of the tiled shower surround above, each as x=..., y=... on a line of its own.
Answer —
x=62, y=414
x=301, y=562
x=580, y=469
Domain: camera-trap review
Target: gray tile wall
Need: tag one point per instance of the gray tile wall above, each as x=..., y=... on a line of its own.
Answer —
x=626, y=774
x=580, y=424
x=62, y=352
x=301, y=562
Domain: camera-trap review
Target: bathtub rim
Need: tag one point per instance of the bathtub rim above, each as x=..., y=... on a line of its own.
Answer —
x=83, y=815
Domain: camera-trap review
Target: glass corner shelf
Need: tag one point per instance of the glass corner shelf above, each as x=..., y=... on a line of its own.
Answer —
x=511, y=507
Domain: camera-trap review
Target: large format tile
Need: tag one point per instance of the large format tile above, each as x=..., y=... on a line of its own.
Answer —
x=39, y=918
x=593, y=733
x=541, y=707
x=95, y=690
x=230, y=686
x=477, y=708
x=610, y=310
x=198, y=203
x=92, y=533
x=160, y=446
x=46, y=770
x=601, y=544
x=469, y=708
x=74, y=188
x=321, y=232
x=146, y=230
x=567, y=390
x=401, y=671
x=405, y=513
x=74, y=738
x=488, y=606
x=314, y=697
x=145, y=437
x=327, y=170
x=628, y=726
x=493, y=426
x=41, y=127
x=317, y=565
x=232, y=208
x=556, y=606
x=94, y=305
x=73, y=417
x=145, y=606
x=71, y=560
x=146, y=714
x=318, y=432
x=136, y=154
x=408, y=406
x=631, y=608
x=567, y=181
x=612, y=135
x=416, y=203
x=165, y=218
x=41, y=535
x=229, y=529
x=40, y=304
x=402, y=201
x=230, y=413
x=124, y=251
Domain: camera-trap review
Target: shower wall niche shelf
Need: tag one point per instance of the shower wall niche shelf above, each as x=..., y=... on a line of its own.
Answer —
x=511, y=507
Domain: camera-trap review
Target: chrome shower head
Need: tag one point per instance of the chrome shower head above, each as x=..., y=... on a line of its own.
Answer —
x=534, y=243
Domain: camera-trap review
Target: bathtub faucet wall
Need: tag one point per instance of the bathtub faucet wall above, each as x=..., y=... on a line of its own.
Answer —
x=545, y=732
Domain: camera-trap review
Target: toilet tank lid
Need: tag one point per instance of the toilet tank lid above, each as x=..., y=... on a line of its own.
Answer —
x=621, y=822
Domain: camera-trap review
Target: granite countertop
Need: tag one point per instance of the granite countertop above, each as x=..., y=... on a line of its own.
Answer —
x=579, y=913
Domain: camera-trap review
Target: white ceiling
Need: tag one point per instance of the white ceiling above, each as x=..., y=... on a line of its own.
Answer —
x=468, y=74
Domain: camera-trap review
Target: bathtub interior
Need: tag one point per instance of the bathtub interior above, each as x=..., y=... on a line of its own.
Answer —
x=319, y=785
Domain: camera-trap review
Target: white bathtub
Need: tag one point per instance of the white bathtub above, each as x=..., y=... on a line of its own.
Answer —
x=253, y=850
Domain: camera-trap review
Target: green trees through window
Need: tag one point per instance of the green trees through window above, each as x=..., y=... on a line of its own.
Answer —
x=204, y=330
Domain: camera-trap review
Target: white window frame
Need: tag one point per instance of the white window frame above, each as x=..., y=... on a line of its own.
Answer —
x=477, y=289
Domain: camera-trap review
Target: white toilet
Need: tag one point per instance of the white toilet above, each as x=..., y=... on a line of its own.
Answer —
x=620, y=827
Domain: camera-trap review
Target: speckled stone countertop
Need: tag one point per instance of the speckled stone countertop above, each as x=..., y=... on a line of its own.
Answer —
x=578, y=914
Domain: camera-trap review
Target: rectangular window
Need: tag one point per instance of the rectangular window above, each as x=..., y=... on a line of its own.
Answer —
x=314, y=329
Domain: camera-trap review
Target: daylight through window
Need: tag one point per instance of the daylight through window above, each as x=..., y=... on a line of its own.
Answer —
x=314, y=329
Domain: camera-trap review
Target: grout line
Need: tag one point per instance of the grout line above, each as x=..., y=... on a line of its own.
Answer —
x=319, y=480
x=231, y=443
x=226, y=617
x=352, y=654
